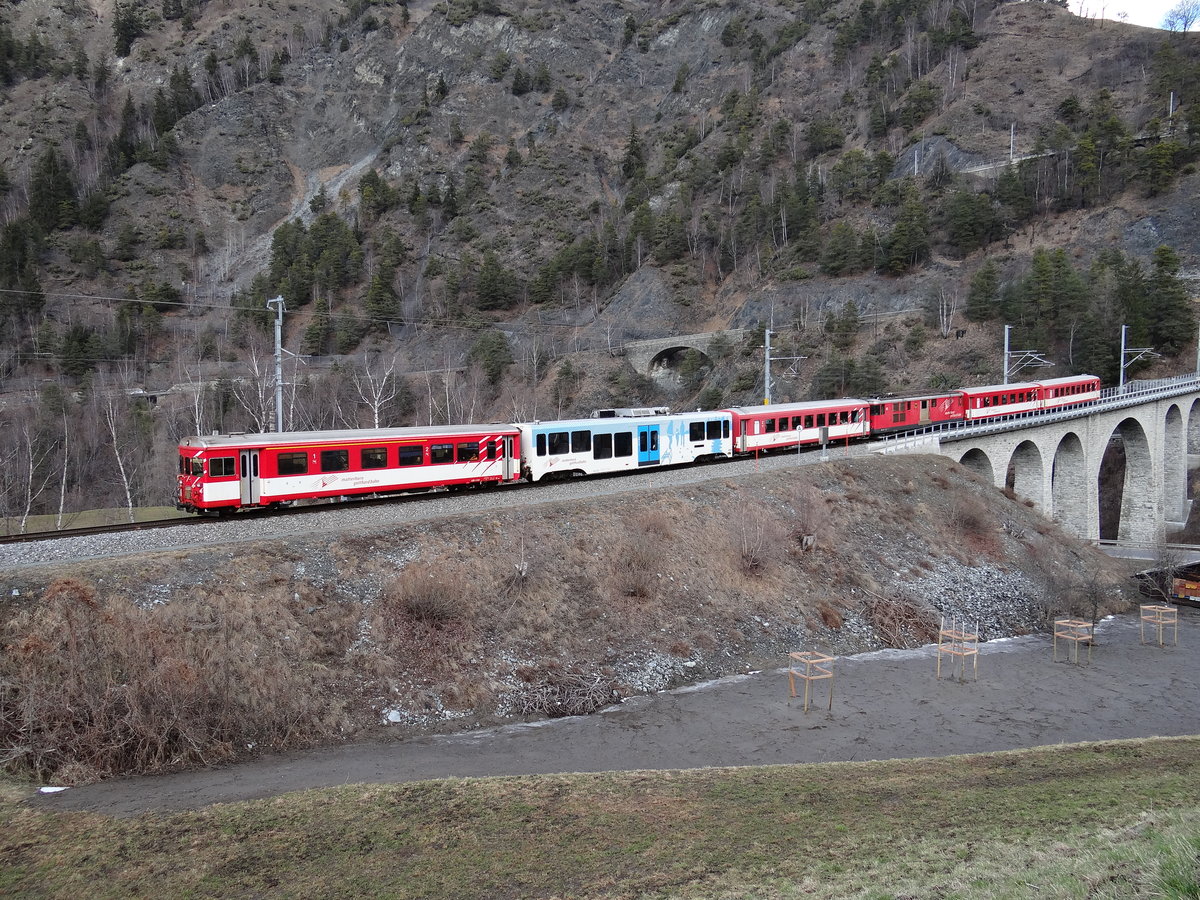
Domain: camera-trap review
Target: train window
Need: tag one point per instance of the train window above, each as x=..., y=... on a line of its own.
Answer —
x=373, y=458
x=441, y=453
x=196, y=463
x=335, y=460
x=725, y=427
x=654, y=440
x=602, y=446
x=560, y=442
x=820, y=420
x=541, y=445
x=468, y=451
x=855, y=415
x=695, y=431
x=292, y=463
x=221, y=466
x=491, y=450
x=581, y=441
x=641, y=442
x=808, y=421
x=876, y=409
x=713, y=430
x=623, y=443
x=411, y=454
x=770, y=426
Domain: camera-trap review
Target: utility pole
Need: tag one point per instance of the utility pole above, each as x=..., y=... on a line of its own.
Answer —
x=1023, y=358
x=277, y=302
x=1137, y=354
x=767, y=366
x=768, y=359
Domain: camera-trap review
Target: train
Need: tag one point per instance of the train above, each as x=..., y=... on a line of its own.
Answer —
x=226, y=473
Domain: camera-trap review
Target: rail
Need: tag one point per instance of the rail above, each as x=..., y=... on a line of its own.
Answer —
x=1133, y=393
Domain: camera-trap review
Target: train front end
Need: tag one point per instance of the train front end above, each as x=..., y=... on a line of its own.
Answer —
x=204, y=480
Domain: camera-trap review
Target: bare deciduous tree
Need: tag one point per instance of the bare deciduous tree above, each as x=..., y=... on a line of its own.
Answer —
x=1182, y=16
x=377, y=384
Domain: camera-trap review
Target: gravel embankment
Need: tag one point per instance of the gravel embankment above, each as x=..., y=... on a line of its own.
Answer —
x=191, y=534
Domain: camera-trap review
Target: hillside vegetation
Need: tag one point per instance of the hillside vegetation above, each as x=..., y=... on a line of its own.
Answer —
x=194, y=657
x=468, y=207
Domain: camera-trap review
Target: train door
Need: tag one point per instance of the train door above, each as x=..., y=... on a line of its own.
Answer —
x=508, y=463
x=648, y=445
x=248, y=476
x=925, y=411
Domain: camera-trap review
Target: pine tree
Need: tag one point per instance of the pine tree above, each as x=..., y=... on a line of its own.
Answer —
x=319, y=331
x=633, y=163
x=494, y=288
x=983, y=293
x=1172, y=321
x=840, y=256
x=128, y=26
x=52, y=193
x=381, y=303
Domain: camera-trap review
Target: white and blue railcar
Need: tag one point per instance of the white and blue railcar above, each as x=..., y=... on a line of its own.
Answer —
x=597, y=446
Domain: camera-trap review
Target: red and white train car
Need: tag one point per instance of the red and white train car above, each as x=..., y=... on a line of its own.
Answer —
x=999, y=400
x=1069, y=391
x=1029, y=396
x=783, y=425
x=907, y=413
x=226, y=472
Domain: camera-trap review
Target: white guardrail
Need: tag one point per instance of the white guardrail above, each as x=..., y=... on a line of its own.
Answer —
x=1132, y=394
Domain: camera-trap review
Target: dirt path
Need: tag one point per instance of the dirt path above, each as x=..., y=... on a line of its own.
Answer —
x=886, y=705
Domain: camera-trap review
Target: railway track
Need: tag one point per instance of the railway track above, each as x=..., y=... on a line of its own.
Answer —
x=57, y=534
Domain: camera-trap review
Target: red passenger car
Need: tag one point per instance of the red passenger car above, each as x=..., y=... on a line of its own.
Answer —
x=1069, y=391
x=223, y=473
x=782, y=425
x=1000, y=400
x=908, y=413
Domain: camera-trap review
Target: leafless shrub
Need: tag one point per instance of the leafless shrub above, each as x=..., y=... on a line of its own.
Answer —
x=425, y=597
x=899, y=621
x=91, y=688
x=969, y=518
x=812, y=513
x=760, y=538
x=556, y=692
x=831, y=617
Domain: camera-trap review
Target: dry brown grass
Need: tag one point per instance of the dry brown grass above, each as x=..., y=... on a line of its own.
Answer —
x=252, y=651
x=94, y=686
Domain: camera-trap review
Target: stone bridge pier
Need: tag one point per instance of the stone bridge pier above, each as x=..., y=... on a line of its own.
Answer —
x=1057, y=464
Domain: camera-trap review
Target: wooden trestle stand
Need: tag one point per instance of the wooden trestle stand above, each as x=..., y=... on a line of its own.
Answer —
x=1075, y=631
x=1159, y=617
x=958, y=643
x=810, y=666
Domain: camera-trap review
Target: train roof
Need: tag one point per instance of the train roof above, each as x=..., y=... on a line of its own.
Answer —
x=808, y=406
x=1068, y=379
x=1000, y=388
x=291, y=438
x=639, y=419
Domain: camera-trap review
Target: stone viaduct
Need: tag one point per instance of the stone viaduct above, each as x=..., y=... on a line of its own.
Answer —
x=1055, y=460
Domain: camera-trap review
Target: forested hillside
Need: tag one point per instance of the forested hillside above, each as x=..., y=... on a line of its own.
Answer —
x=469, y=207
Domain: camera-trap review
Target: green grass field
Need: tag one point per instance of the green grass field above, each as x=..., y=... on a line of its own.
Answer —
x=1108, y=820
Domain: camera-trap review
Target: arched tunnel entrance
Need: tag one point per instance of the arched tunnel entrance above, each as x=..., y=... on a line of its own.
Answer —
x=680, y=369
